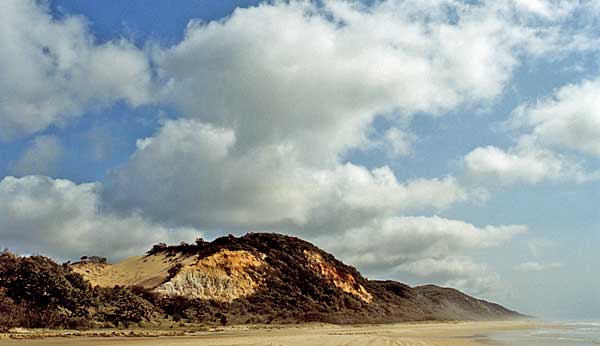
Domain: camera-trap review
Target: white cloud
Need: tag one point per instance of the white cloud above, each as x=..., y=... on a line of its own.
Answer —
x=276, y=94
x=432, y=249
x=389, y=242
x=526, y=162
x=52, y=70
x=529, y=267
x=40, y=157
x=554, y=128
x=62, y=219
x=569, y=119
x=190, y=173
x=313, y=77
x=459, y=272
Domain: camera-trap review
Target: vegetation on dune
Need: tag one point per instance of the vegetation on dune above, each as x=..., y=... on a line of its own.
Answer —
x=36, y=292
x=293, y=291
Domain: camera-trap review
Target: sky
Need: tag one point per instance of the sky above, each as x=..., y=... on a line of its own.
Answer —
x=438, y=141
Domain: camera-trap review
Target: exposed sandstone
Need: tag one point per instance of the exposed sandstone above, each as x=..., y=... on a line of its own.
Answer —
x=224, y=276
x=345, y=282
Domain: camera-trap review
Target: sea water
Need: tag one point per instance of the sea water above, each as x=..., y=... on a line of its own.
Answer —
x=567, y=334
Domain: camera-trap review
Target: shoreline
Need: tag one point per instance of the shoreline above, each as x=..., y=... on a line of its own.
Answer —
x=405, y=334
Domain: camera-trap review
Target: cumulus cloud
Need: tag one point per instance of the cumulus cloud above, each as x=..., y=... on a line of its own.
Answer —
x=570, y=118
x=433, y=249
x=389, y=242
x=190, y=173
x=555, y=129
x=526, y=162
x=40, y=157
x=460, y=272
x=62, y=219
x=52, y=70
x=275, y=95
x=316, y=77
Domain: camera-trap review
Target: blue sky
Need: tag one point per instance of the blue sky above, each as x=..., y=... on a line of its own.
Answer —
x=445, y=141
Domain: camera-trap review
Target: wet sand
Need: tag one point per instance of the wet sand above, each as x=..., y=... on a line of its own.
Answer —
x=423, y=334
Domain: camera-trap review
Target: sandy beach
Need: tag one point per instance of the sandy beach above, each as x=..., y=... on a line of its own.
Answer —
x=421, y=334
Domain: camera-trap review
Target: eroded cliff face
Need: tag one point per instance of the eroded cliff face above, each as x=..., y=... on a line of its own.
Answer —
x=345, y=282
x=224, y=276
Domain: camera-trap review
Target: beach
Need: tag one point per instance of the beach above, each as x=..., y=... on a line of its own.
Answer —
x=417, y=334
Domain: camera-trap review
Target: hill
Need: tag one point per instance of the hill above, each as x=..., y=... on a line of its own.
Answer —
x=266, y=277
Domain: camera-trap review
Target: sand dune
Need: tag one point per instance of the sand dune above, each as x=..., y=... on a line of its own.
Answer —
x=145, y=271
x=433, y=334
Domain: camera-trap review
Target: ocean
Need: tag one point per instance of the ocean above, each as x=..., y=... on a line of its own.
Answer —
x=567, y=334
